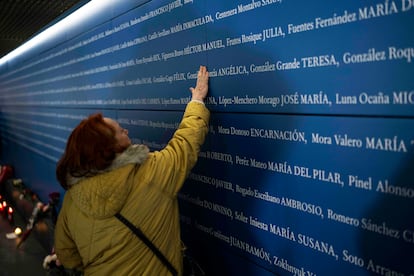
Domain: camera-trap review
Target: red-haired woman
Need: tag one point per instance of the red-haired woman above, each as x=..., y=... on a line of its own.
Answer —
x=104, y=175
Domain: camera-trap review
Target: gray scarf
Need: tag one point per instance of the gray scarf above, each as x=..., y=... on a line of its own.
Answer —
x=134, y=154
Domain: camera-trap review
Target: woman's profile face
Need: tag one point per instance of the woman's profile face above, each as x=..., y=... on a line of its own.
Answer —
x=121, y=134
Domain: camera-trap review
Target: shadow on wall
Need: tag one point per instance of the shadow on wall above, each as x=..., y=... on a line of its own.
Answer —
x=396, y=246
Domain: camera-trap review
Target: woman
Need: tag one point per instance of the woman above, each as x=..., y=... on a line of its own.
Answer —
x=104, y=174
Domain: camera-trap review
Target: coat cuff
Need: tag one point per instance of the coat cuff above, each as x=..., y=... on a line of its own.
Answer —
x=194, y=108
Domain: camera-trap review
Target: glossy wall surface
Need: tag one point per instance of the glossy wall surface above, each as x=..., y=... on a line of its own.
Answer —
x=308, y=167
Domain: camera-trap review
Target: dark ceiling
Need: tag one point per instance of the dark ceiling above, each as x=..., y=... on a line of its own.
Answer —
x=21, y=19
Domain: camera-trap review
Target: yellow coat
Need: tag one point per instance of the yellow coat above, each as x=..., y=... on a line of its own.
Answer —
x=90, y=238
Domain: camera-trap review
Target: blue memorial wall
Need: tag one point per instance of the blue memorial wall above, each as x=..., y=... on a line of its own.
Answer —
x=308, y=167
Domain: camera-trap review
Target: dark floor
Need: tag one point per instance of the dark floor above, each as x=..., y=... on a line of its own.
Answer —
x=25, y=260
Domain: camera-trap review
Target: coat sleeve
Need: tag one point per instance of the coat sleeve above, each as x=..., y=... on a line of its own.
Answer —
x=65, y=247
x=171, y=165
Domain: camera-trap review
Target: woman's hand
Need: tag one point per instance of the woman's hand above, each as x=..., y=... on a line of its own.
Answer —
x=201, y=89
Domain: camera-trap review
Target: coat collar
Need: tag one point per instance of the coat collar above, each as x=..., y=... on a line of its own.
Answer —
x=134, y=154
x=105, y=193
